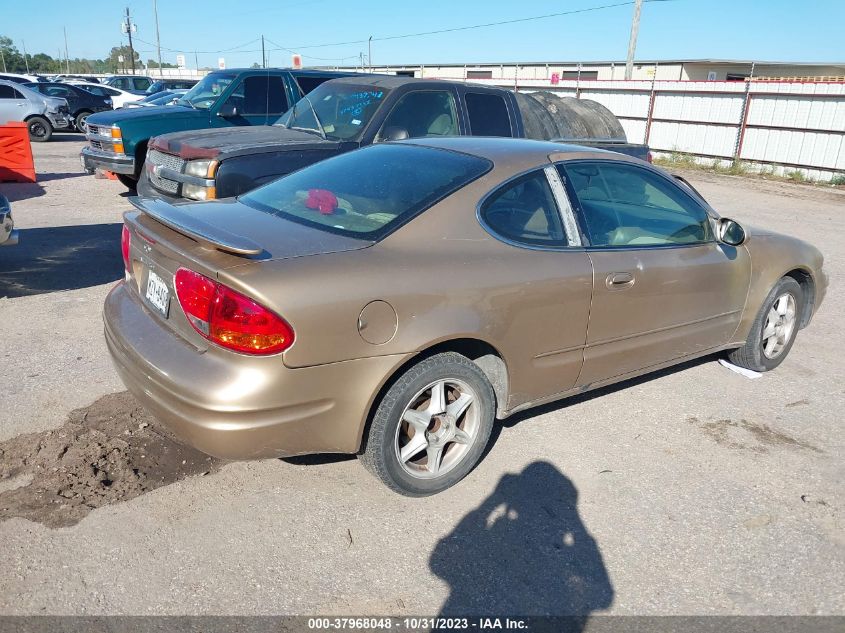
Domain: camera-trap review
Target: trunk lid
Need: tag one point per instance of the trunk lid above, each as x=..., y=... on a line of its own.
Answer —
x=209, y=238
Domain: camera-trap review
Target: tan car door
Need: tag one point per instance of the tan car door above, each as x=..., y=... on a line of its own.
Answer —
x=663, y=287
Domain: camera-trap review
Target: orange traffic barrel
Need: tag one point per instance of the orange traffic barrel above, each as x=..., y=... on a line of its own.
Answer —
x=16, y=163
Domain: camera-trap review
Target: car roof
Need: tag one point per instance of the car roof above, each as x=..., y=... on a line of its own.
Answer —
x=509, y=150
x=395, y=81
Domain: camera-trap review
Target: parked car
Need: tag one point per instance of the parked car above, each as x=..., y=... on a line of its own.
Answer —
x=119, y=97
x=393, y=301
x=69, y=79
x=8, y=233
x=43, y=114
x=165, y=97
x=21, y=79
x=135, y=84
x=80, y=102
x=160, y=85
x=118, y=142
x=345, y=114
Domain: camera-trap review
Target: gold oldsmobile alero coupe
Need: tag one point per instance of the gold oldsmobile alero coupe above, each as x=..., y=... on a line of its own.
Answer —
x=393, y=301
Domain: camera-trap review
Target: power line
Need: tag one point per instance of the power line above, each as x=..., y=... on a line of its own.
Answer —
x=238, y=49
x=279, y=47
x=479, y=26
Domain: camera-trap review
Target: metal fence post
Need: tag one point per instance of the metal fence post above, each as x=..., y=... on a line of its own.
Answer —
x=746, y=106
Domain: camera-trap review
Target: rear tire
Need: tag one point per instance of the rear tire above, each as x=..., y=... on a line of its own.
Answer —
x=773, y=331
x=130, y=182
x=80, y=120
x=40, y=129
x=431, y=427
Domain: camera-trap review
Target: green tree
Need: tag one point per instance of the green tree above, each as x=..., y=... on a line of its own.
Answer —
x=122, y=51
x=151, y=63
x=11, y=59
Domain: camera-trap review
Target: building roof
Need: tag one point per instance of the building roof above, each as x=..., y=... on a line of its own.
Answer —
x=637, y=62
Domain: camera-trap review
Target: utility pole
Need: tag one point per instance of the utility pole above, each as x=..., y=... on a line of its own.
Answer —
x=370, y=53
x=129, y=33
x=3, y=58
x=25, y=58
x=158, y=40
x=197, y=62
x=632, y=43
x=263, y=58
x=67, y=59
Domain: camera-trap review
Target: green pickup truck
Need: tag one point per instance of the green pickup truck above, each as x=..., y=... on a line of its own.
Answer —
x=117, y=140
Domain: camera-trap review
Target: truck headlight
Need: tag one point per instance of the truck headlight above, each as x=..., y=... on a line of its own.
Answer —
x=197, y=192
x=201, y=168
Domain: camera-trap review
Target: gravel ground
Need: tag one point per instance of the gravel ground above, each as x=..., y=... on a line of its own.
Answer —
x=694, y=491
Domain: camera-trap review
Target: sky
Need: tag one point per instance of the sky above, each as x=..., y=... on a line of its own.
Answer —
x=770, y=30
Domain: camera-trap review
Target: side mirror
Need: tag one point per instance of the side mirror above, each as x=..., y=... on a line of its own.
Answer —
x=730, y=232
x=394, y=133
x=227, y=111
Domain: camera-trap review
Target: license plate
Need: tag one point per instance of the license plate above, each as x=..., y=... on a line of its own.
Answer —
x=157, y=293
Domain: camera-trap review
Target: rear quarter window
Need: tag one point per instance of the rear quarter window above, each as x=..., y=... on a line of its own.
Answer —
x=488, y=114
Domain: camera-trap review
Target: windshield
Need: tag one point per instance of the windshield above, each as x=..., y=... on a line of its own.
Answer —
x=369, y=192
x=205, y=93
x=335, y=110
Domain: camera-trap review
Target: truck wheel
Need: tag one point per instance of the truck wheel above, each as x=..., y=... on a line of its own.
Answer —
x=774, y=329
x=431, y=427
x=130, y=182
x=40, y=129
x=81, y=119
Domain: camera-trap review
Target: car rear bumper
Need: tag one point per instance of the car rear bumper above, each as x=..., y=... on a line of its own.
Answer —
x=236, y=406
x=117, y=163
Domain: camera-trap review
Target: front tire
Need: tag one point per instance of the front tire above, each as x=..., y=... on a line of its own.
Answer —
x=40, y=129
x=432, y=426
x=773, y=331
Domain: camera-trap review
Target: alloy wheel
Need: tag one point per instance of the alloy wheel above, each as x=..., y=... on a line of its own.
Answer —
x=438, y=427
x=779, y=326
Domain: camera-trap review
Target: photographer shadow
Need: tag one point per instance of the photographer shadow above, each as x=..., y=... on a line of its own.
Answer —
x=524, y=552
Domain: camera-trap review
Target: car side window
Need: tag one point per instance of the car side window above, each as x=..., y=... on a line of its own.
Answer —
x=488, y=114
x=524, y=211
x=308, y=83
x=142, y=83
x=259, y=96
x=120, y=82
x=423, y=113
x=57, y=91
x=625, y=205
x=7, y=92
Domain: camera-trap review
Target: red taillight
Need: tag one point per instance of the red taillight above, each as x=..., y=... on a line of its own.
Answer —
x=125, y=240
x=228, y=318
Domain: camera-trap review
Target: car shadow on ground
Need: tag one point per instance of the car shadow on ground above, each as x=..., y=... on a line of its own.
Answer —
x=558, y=405
x=524, y=551
x=16, y=191
x=61, y=258
x=59, y=175
x=66, y=136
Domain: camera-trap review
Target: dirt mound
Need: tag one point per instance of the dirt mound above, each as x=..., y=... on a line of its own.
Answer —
x=109, y=452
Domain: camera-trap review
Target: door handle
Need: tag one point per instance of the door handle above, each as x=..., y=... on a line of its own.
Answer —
x=619, y=281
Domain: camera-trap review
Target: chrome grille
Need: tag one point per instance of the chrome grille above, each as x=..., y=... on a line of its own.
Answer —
x=96, y=145
x=165, y=160
x=93, y=129
x=157, y=158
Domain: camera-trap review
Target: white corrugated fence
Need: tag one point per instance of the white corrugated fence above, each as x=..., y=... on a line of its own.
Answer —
x=782, y=126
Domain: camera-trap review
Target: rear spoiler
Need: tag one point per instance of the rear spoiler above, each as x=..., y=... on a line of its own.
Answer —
x=190, y=225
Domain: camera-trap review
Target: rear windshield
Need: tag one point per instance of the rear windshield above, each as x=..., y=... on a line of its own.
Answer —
x=369, y=192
